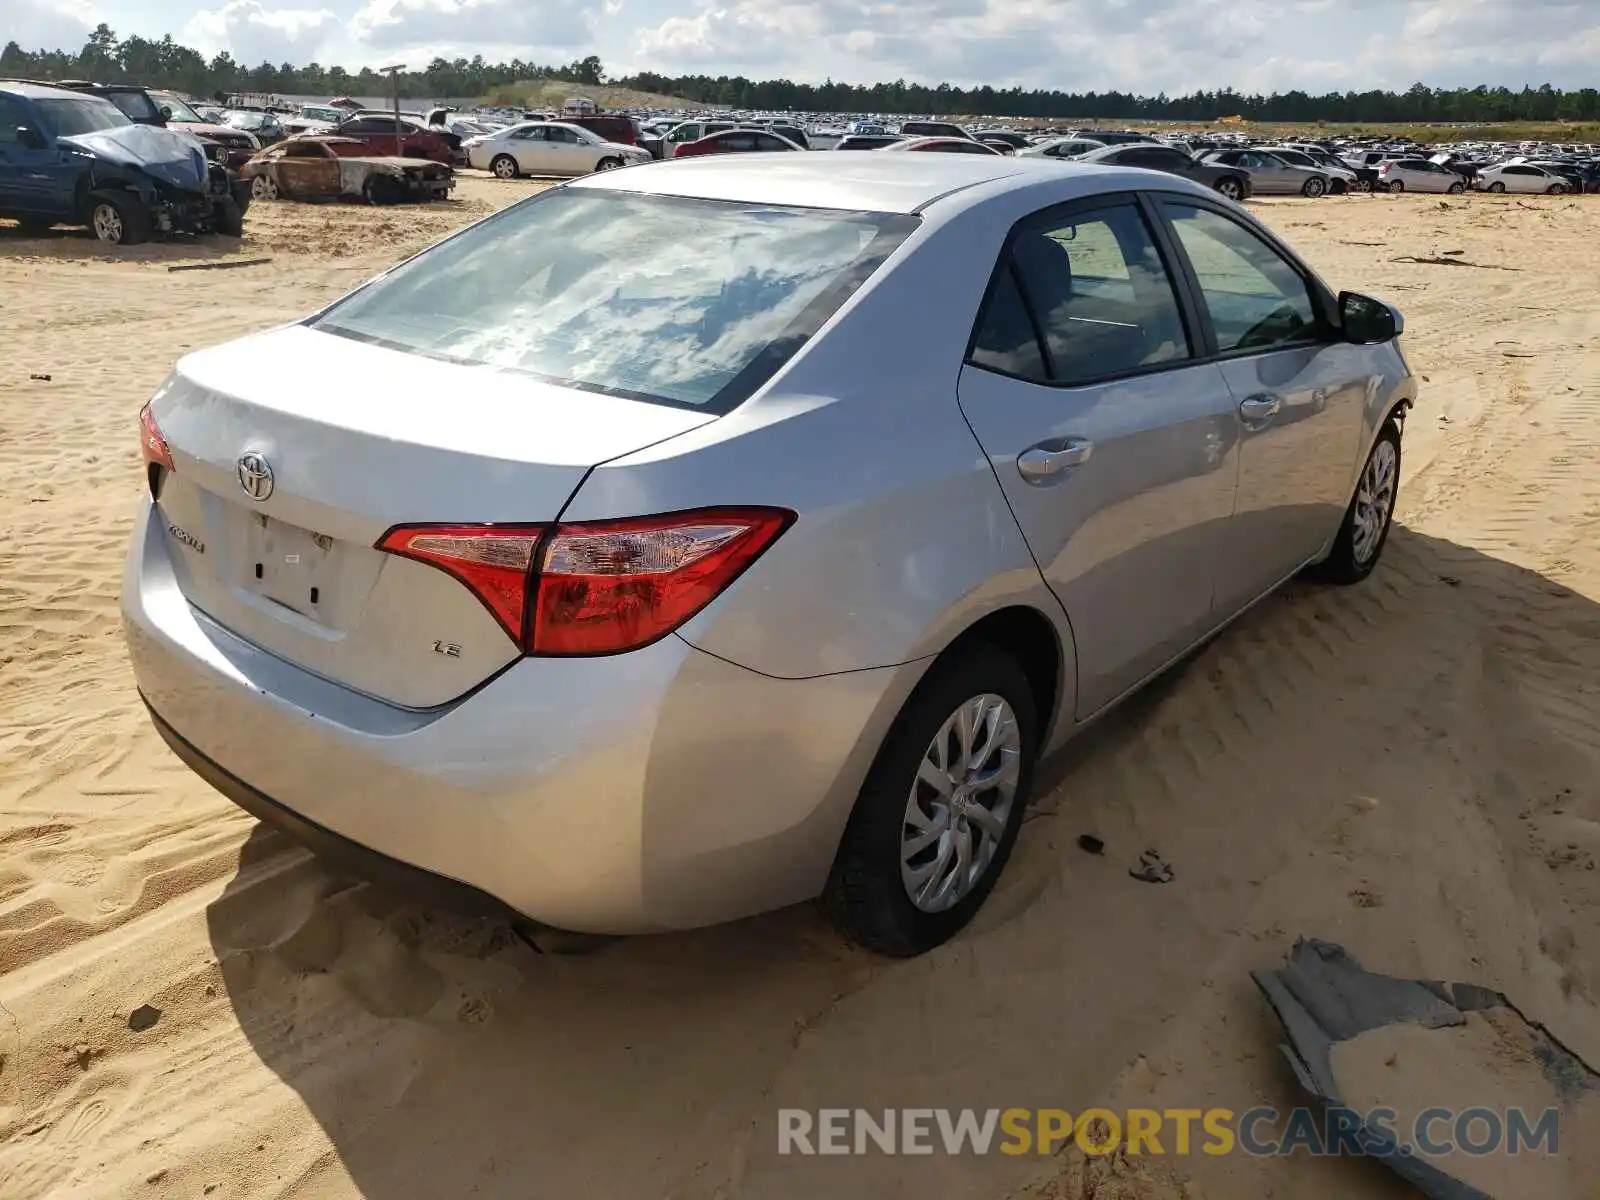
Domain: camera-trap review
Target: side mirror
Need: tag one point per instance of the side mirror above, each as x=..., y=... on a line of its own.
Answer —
x=1366, y=321
x=166, y=112
x=30, y=137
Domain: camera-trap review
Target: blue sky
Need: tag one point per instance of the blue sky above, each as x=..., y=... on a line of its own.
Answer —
x=1134, y=45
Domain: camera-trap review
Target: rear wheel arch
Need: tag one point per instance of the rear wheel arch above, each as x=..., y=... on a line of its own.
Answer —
x=1030, y=638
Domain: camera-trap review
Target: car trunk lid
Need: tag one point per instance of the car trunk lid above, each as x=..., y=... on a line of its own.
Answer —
x=294, y=451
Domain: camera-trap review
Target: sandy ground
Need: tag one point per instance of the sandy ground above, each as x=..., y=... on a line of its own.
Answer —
x=1411, y=767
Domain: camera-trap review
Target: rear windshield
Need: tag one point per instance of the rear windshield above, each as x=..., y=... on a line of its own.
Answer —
x=687, y=302
x=136, y=104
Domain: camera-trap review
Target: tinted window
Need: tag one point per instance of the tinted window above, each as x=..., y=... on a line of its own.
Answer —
x=136, y=104
x=1101, y=294
x=12, y=115
x=1156, y=159
x=691, y=302
x=1005, y=340
x=534, y=133
x=765, y=141
x=557, y=134
x=1255, y=298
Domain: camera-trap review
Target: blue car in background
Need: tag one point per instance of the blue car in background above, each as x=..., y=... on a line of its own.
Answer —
x=73, y=159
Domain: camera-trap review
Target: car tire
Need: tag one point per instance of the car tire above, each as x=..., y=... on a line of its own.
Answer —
x=263, y=187
x=1555, y=189
x=118, y=219
x=608, y=164
x=1455, y=189
x=1399, y=185
x=1364, y=532
x=868, y=895
x=1497, y=187
x=1363, y=185
x=1314, y=188
x=1230, y=189
x=380, y=189
x=229, y=218
x=503, y=166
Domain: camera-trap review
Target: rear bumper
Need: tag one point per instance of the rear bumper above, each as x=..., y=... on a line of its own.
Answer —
x=661, y=789
x=359, y=859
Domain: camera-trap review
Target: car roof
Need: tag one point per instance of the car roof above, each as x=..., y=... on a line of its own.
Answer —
x=891, y=183
x=34, y=91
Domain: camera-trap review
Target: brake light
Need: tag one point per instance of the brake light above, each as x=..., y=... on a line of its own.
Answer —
x=152, y=446
x=602, y=587
x=492, y=560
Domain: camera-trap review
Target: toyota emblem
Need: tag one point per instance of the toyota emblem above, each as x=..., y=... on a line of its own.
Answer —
x=255, y=475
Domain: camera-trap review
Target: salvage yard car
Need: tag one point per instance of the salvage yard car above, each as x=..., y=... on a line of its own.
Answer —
x=689, y=601
x=327, y=167
x=549, y=148
x=73, y=159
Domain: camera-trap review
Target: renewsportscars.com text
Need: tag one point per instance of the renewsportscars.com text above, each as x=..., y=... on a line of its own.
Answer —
x=1172, y=1131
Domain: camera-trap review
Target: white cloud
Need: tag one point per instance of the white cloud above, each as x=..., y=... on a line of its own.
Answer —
x=546, y=24
x=1136, y=45
x=48, y=24
x=253, y=33
x=1141, y=46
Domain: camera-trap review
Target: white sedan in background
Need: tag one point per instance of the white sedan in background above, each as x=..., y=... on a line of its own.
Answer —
x=548, y=148
x=1521, y=177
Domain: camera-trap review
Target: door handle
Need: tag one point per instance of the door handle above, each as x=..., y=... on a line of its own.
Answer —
x=1048, y=461
x=1258, y=410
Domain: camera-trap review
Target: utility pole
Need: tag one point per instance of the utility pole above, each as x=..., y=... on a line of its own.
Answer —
x=394, y=91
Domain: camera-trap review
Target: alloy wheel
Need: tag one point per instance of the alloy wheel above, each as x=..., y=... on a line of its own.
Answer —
x=1229, y=189
x=960, y=803
x=108, y=223
x=1374, y=500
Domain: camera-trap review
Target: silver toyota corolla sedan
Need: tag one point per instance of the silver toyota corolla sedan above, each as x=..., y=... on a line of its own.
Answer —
x=688, y=541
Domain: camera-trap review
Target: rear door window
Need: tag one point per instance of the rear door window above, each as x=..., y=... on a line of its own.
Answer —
x=1006, y=340
x=1100, y=293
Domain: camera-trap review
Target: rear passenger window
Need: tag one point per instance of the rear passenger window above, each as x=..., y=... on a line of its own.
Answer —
x=1006, y=341
x=1102, y=297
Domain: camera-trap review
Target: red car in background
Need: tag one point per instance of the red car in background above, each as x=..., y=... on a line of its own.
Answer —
x=406, y=138
x=735, y=141
x=622, y=130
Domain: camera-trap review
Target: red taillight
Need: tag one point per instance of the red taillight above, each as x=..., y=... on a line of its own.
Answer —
x=597, y=588
x=618, y=585
x=151, y=444
x=492, y=560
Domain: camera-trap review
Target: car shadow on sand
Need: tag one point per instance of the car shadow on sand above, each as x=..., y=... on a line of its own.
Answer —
x=442, y=1056
x=66, y=243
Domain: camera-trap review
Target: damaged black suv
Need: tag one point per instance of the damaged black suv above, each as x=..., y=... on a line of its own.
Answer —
x=73, y=159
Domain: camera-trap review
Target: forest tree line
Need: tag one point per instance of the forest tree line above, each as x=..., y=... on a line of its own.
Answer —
x=105, y=57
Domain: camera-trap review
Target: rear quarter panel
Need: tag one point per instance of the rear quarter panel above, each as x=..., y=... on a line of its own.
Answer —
x=903, y=537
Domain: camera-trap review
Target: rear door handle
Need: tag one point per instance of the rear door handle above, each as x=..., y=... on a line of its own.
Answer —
x=1258, y=410
x=1048, y=461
